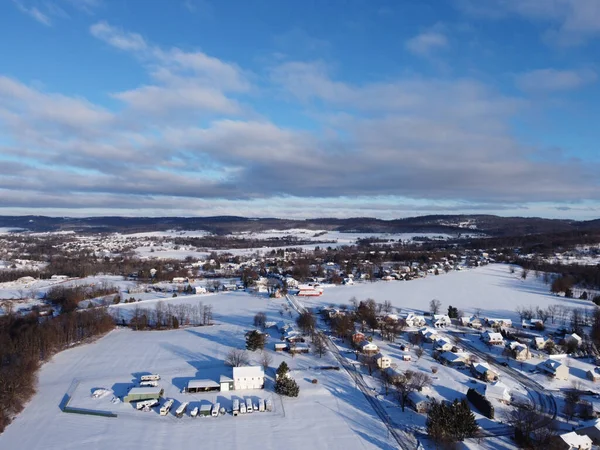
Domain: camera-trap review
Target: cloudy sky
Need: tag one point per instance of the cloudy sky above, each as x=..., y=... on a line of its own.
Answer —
x=300, y=108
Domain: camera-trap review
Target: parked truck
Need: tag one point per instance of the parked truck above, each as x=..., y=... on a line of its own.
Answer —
x=146, y=405
x=236, y=407
x=153, y=377
x=215, y=410
x=181, y=410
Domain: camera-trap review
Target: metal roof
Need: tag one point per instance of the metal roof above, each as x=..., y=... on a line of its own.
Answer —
x=200, y=384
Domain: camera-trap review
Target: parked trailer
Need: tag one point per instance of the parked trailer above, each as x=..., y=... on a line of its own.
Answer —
x=153, y=377
x=215, y=410
x=242, y=407
x=149, y=383
x=205, y=409
x=194, y=412
x=261, y=405
x=249, y=407
x=146, y=405
x=181, y=410
x=164, y=410
x=236, y=407
x=269, y=405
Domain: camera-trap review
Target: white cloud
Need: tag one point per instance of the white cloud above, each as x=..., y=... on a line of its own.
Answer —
x=33, y=12
x=571, y=22
x=549, y=80
x=117, y=37
x=424, y=44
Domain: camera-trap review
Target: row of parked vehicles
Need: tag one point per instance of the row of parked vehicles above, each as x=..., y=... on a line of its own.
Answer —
x=247, y=407
x=207, y=409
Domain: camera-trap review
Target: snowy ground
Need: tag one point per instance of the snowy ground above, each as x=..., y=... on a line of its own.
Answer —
x=331, y=414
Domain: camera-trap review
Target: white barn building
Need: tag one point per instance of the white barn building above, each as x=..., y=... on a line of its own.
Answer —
x=248, y=377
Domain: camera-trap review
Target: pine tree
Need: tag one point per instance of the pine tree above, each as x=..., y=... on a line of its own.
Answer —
x=287, y=386
x=255, y=341
x=282, y=370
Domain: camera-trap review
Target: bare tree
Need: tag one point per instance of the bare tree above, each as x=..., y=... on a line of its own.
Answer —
x=319, y=344
x=551, y=311
x=434, y=306
x=237, y=358
x=419, y=352
x=265, y=360
x=387, y=306
x=260, y=320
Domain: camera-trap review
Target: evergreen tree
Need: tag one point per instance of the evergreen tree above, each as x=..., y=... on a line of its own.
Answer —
x=450, y=422
x=287, y=386
x=282, y=370
x=255, y=341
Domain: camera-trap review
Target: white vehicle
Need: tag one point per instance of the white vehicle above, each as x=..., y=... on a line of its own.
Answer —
x=149, y=384
x=255, y=406
x=215, y=410
x=261, y=405
x=146, y=405
x=242, y=407
x=164, y=410
x=181, y=410
x=194, y=412
x=236, y=407
x=249, y=407
x=269, y=405
x=154, y=377
x=205, y=409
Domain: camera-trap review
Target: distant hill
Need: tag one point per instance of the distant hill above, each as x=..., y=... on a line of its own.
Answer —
x=452, y=224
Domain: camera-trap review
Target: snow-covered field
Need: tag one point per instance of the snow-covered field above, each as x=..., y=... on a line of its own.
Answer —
x=491, y=288
x=331, y=414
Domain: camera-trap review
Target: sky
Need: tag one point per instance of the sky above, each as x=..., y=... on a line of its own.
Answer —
x=299, y=109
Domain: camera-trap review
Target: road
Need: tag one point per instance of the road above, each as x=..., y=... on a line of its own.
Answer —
x=404, y=440
x=544, y=402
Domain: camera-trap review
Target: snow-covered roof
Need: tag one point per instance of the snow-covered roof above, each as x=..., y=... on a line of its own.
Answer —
x=517, y=345
x=498, y=390
x=574, y=336
x=248, y=372
x=145, y=390
x=202, y=384
x=576, y=440
x=381, y=355
x=493, y=336
x=482, y=368
x=224, y=379
x=550, y=365
x=453, y=357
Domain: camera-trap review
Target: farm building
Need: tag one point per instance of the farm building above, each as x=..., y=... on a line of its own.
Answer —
x=195, y=386
x=138, y=394
x=226, y=383
x=540, y=342
x=248, y=377
x=299, y=348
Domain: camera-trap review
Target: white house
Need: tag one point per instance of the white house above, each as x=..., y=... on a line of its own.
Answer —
x=494, y=322
x=382, y=361
x=413, y=320
x=540, y=342
x=555, y=369
x=484, y=372
x=428, y=334
x=519, y=351
x=248, y=377
x=454, y=359
x=573, y=339
x=440, y=321
x=368, y=347
x=200, y=290
x=443, y=345
x=498, y=391
x=573, y=441
x=492, y=338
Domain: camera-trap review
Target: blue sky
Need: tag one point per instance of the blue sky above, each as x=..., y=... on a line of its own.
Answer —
x=300, y=109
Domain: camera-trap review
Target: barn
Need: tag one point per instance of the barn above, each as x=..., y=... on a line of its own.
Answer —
x=138, y=394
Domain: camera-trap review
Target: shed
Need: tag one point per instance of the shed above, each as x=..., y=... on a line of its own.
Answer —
x=226, y=383
x=202, y=386
x=418, y=401
x=138, y=394
x=280, y=346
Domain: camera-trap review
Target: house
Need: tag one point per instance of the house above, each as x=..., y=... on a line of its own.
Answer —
x=358, y=337
x=368, y=348
x=391, y=374
x=299, y=348
x=413, y=320
x=418, y=401
x=573, y=339
x=592, y=431
x=498, y=391
x=443, y=345
x=406, y=357
x=554, y=369
x=532, y=324
x=200, y=290
x=492, y=338
x=593, y=374
x=248, y=377
x=519, y=351
x=540, y=342
x=440, y=321
x=280, y=346
x=572, y=441
x=429, y=334
x=483, y=372
x=493, y=322
x=454, y=359
x=382, y=361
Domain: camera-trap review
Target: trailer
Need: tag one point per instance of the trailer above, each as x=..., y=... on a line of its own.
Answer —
x=194, y=412
x=269, y=405
x=215, y=410
x=261, y=405
x=153, y=377
x=236, y=407
x=249, y=407
x=146, y=405
x=152, y=383
x=205, y=409
x=242, y=407
x=181, y=410
x=164, y=410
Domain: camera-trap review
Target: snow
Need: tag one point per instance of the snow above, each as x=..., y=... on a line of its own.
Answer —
x=336, y=413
